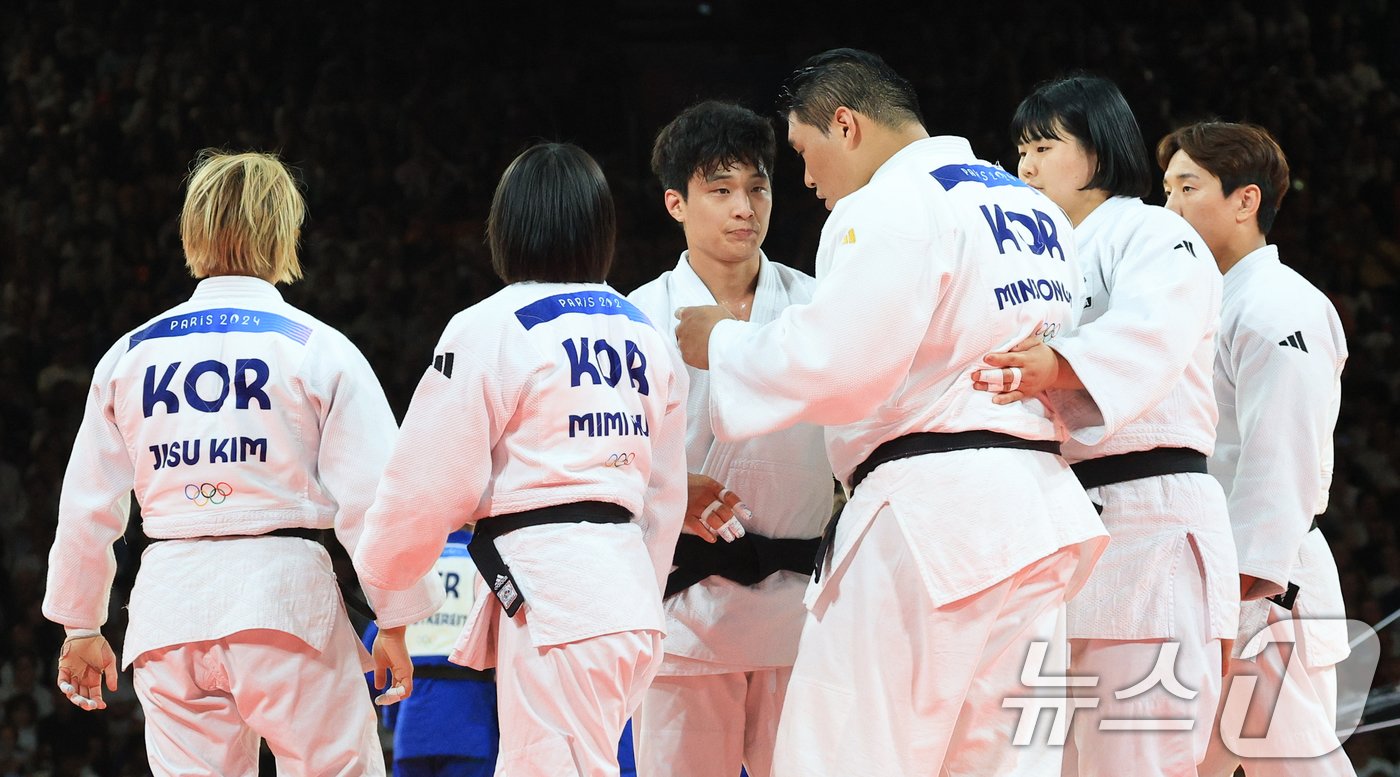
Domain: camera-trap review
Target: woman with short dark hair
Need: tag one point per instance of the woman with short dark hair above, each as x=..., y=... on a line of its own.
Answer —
x=1133, y=385
x=553, y=419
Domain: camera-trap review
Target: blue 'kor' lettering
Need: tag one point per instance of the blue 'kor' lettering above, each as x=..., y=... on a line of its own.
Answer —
x=605, y=365
x=1039, y=234
x=158, y=392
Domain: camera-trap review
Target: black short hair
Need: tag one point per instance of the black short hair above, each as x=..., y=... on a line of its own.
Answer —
x=1092, y=111
x=856, y=79
x=552, y=218
x=708, y=137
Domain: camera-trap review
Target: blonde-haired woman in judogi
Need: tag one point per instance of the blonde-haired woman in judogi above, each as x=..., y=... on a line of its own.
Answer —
x=246, y=429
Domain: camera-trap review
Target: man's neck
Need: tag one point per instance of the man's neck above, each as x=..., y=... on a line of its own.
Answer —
x=727, y=280
x=881, y=143
x=1239, y=247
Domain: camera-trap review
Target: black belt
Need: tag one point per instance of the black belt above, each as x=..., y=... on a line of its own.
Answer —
x=315, y=535
x=1137, y=465
x=918, y=444
x=747, y=561
x=493, y=568
x=356, y=604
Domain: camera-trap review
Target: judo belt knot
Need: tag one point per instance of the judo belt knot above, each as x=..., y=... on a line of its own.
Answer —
x=747, y=560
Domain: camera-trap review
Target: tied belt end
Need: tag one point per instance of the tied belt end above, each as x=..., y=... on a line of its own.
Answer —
x=493, y=568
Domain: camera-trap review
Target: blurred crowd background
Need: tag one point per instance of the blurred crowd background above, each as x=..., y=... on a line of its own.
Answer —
x=400, y=121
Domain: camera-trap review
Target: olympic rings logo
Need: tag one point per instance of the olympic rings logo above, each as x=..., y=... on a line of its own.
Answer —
x=620, y=459
x=208, y=493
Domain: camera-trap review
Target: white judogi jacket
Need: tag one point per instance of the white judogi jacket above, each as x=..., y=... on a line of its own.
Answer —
x=1278, y=373
x=231, y=414
x=938, y=261
x=783, y=477
x=542, y=394
x=1144, y=350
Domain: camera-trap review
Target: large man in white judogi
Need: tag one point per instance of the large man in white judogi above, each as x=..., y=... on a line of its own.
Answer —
x=964, y=532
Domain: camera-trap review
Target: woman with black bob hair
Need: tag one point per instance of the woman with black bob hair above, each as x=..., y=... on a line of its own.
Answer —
x=552, y=218
x=1089, y=116
x=1133, y=385
x=552, y=418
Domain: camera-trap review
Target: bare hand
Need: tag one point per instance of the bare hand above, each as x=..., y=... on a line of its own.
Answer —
x=391, y=653
x=710, y=508
x=1024, y=372
x=693, y=333
x=83, y=662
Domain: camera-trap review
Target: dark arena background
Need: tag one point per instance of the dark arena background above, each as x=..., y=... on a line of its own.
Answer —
x=401, y=119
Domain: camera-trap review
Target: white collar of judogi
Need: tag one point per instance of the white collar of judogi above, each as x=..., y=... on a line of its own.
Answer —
x=687, y=289
x=1259, y=257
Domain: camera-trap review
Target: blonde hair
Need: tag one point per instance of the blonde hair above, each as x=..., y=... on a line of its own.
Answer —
x=242, y=216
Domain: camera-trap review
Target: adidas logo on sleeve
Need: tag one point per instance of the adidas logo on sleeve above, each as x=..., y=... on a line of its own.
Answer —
x=1294, y=340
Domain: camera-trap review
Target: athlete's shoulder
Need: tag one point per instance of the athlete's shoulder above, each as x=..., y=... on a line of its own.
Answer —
x=1274, y=292
x=1132, y=227
x=653, y=294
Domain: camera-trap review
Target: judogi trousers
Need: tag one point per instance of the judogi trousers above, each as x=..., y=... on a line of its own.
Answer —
x=562, y=708
x=1123, y=666
x=887, y=684
x=208, y=703
x=710, y=725
x=1306, y=708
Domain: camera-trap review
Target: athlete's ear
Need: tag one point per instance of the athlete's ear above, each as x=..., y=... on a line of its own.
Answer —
x=675, y=205
x=848, y=122
x=1249, y=197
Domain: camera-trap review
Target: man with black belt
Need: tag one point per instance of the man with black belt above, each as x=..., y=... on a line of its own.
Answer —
x=964, y=531
x=1278, y=368
x=245, y=428
x=734, y=604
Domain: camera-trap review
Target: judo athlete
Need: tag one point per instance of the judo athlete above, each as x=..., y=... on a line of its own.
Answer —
x=1278, y=367
x=1133, y=385
x=965, y=531
x=553, y=417
x=734, y=605
x=245, y=427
